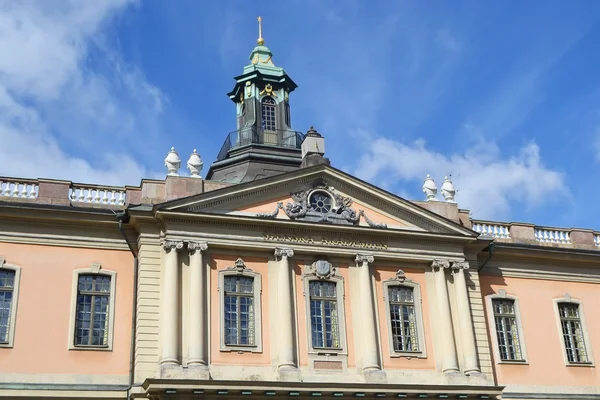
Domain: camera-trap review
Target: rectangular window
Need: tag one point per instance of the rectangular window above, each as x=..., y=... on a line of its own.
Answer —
x=324, y=315
x=239, y=310
x=403, y=318
x=507, y=330
x=7, y=288
x=572, y=331
x=91, y=315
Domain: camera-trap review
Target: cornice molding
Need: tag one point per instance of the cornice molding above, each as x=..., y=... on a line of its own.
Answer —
x=540, y=274
x=64, y=241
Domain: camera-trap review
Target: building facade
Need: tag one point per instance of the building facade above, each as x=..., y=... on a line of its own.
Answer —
x=280, y=276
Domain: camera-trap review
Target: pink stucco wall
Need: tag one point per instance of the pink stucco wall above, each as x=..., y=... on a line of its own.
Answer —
x=546, y=364
x=44, y=306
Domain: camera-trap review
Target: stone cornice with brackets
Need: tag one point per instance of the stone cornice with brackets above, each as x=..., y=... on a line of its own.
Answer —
x=284, y=184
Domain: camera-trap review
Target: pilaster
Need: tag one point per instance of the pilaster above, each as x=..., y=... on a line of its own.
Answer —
x=287, y=367
x=467, y=336
x=169, y=300
x=449, y=360
x=371, y=366
x=197, y=341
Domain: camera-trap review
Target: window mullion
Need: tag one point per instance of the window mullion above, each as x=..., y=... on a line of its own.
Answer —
x=91, y=333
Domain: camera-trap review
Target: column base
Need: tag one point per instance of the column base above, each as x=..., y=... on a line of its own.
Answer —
x=170, y=370
x=375, y=376
x=198, y=371
x=289, y=374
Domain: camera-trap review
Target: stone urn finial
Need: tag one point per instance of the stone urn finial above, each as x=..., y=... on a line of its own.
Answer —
x=448, y=190
x=194, y=164
x=172, y=163
x=429, y=188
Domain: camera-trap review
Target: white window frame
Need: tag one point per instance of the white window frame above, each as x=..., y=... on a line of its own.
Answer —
x=310, y=276
x=586, y=339
x=240, y=269
x=94, y=269
x=400, y=280
x=502, y=295
x=12, y=318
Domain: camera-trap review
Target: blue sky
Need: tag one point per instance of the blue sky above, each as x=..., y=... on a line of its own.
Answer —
x=503, y=95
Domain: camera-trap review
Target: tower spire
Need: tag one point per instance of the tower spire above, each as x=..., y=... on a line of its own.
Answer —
x=260, y=40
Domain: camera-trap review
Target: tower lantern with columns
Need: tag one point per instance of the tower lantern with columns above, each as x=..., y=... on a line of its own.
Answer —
x=263, y=143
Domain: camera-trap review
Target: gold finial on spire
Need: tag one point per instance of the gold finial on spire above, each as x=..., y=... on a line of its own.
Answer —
x=260, y=40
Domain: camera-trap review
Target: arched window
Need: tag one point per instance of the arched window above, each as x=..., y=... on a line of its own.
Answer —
x=268, y=113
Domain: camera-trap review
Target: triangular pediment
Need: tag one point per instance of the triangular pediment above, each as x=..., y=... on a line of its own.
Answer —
x=321, y=195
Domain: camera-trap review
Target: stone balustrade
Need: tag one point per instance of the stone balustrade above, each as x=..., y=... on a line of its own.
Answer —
x=552, y=235
x=92, y=194
x=493, y=229
x=69, y=194
x=517, y=232
x=18, y=188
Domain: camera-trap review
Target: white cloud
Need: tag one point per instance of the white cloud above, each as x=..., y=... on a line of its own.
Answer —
x=63, y=89
x=487, y=183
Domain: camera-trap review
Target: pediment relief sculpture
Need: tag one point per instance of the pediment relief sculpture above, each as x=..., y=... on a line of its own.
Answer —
x=322, y=204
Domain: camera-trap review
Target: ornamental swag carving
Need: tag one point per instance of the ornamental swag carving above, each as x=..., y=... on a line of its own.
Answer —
x=322, y=204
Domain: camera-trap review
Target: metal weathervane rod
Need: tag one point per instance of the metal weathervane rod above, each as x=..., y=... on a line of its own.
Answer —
x=260, y=40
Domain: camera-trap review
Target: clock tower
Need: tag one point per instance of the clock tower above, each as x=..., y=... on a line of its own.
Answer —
x=264, y=143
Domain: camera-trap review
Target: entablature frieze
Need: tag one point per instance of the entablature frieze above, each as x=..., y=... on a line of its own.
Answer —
x=252, y=243
x=297, y=230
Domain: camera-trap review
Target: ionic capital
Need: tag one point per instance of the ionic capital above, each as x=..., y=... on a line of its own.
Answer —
x=169, y=245
x=440, y=264
x=459, y=265
x=284, y=253
x=197, y=246
x=364, y=258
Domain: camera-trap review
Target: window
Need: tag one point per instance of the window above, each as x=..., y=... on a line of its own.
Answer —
x=92, y=315
x=325, y=332
x=402, y=299
x=92, y=309
x=323, y=289
x=320, y=202
x=507, y=332
x=240, y=308
x=9, y=288
x=403, y=318
x=572, y=333
x=504, y=316
x=268, y=114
